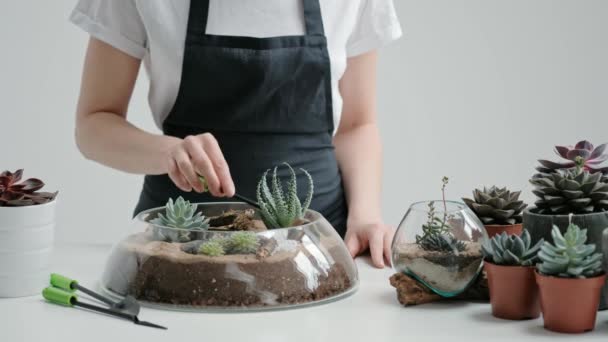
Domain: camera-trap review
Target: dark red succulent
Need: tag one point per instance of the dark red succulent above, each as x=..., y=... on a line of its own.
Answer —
x=592, y=157
x=14, y=193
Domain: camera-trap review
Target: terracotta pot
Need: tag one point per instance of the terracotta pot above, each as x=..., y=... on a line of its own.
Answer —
x=497, y=229
x=569, y=305
x=513, y=291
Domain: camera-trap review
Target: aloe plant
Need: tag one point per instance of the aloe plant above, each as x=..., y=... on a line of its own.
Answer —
x=569, y=256
x=511, y=250
x=278, y=208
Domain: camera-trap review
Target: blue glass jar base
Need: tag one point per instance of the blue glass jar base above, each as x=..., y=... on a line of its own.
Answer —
x=444, y=294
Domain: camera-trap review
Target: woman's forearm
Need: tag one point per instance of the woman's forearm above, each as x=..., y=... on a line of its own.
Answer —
x=359, y=154
x=111, y=140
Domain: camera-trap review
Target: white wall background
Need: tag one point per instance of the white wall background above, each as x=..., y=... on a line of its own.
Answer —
x=476, y=90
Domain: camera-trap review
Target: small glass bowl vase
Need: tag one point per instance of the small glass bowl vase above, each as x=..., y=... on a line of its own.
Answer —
x=439, y=244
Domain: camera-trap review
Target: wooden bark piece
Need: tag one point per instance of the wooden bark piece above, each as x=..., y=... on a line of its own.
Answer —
x=412, y=292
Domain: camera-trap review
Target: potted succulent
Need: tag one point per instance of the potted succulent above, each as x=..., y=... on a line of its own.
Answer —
x=509, y=261
x=570, y=277
x=438, y=243
x=578, y=186
x=499, y=209
x=229, y=255
x=27, y=220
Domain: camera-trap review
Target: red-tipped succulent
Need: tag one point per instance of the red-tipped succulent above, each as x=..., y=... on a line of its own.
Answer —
x=14, y=193
x=592, y=157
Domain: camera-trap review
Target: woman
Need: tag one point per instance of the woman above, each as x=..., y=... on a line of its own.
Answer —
x=239, y=86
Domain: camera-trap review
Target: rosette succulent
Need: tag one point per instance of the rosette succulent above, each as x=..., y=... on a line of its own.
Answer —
x=592, y=158
x=511, y=250
x=182, y=216
x=573, y=190
x=278, y=208
x=17, y=193
x=242, y=243
x=496, y=206
x=569, y=256
x=212, y=248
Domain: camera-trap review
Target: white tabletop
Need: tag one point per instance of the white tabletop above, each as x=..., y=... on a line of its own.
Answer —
x=371, y=314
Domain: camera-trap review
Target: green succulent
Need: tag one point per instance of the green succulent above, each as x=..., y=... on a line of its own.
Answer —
x=569, y=256
x=511, y=250
x=182, y=216
x=496, y=206
x=436, y=232
x=279, y=209
x=242, y=243
x=212, y=248
x=442, y=243
x=570, y=191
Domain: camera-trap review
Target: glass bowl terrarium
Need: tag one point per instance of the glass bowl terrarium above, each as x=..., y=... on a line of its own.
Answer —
x=229, y=259
x=439, y=244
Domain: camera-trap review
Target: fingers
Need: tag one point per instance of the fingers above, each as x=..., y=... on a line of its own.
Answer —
x=219, y=165
x=202, y=165
x=376, y=246
x=176, y=176
x=352, y=244
x=200, y=155
x=388, y=240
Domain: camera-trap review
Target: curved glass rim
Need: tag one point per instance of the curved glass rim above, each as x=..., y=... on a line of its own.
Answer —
x=139, y=217
x=226, y=310
x=459, y=206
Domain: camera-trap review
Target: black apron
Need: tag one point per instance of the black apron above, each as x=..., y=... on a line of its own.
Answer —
x=266, y=101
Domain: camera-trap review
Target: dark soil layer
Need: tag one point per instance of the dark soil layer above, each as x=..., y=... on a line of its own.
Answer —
x=164, y=273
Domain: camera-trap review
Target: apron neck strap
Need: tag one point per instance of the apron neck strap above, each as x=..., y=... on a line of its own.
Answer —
x=199, y=13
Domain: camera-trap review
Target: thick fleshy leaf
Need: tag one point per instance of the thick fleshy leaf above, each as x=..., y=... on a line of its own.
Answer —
x=502, y=214
x=554, y=165
x=584, y=145
x=599, y=151
x=31, y=185
x=482, y=209
x=497, y=203
x=572, y=194
x=573, y=154
x=562, y=151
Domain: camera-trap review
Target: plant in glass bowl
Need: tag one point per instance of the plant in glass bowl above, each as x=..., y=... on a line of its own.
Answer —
x=509, y=264
x=570, y=277
x=232, y=256
x=439, y=244
x=575, y=191
x=498, y=208
x=27, y=220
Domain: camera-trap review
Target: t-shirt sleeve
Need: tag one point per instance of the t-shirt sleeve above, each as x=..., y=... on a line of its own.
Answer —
x=376, y=26
x=115, y=22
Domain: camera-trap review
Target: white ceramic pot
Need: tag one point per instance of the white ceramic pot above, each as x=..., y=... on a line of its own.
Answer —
x=26, y=243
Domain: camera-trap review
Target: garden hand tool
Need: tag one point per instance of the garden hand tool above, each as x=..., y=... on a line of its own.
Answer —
x=128, y=304
x=236, y=195
x=59, y=296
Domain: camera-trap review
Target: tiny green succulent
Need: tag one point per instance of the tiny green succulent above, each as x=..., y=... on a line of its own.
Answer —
x=182, y=216
x=242, y=243
x=436, y=232
x=279, y=209
x=569, y=256
x=511, y=250
x=442, y=243
x=212, y=248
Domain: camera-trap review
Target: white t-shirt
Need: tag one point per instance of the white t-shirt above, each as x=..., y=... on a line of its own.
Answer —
x=155, y=31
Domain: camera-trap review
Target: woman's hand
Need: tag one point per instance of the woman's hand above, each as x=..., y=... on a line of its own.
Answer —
x=199, y=155
x=376, y=236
